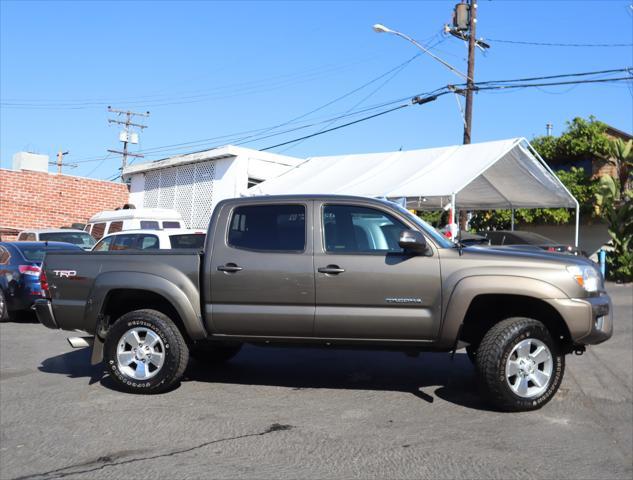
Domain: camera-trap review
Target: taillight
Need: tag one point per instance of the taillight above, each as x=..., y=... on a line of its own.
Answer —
x=29, y=270
x=44, y=284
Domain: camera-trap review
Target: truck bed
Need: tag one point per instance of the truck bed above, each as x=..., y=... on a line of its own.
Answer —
x=75, y=279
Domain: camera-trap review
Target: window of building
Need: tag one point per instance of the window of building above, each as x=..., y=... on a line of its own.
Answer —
x=353, y=229
x=268, y=228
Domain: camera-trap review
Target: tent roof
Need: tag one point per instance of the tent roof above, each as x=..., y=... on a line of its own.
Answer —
x=499, y=174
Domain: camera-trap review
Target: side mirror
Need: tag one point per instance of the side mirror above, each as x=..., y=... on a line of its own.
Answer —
x=412, y=241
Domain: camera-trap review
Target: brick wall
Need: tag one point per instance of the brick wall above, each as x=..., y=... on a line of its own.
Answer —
x=43, y=200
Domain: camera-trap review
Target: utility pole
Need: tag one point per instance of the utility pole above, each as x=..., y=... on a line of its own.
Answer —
x=470, y=83
x=127, y=135
x=60, y=162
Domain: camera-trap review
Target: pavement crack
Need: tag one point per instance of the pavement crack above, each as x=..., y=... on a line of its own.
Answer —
x=110, y=460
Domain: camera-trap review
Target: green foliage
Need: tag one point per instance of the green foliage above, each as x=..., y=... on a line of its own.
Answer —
x=621, y=156
x=620, y=260
x=437, y=218
x=580, y=186
x=583, y=139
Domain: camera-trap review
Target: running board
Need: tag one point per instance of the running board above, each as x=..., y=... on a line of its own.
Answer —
x=80, y=342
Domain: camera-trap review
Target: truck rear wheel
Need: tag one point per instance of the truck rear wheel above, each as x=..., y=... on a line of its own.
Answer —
x=519, y=364
x=212, y=353
x=145, y=352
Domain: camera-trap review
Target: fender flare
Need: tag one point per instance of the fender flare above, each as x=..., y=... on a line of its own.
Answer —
x=181, y=296
x=466, y=289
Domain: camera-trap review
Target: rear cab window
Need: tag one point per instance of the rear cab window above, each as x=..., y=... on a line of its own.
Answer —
x=268, y=228
x=189, y=240
x=171, y=224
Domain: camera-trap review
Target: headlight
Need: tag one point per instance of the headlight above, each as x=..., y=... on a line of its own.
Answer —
x=586, y=276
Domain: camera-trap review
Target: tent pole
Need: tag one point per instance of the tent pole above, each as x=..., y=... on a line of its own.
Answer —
x=512, y=220
x=454, y=219
x=577, y=223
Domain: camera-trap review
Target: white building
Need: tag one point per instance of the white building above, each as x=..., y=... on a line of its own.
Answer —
x=193, y=184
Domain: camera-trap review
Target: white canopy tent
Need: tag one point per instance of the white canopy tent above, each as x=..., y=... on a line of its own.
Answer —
x=506, y=174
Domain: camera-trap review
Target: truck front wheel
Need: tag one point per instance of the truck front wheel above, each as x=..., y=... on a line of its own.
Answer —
x=519, y=364
x=145, y=352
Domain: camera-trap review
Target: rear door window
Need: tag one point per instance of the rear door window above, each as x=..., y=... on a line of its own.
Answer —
x=125, y=242
x=268, y=228
x=148, y=242
x=103, y=245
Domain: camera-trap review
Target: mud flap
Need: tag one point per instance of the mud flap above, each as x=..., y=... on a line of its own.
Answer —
x=97, y=351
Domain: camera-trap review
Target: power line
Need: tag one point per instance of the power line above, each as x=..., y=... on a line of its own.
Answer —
x=551, y=44
x=338, y=127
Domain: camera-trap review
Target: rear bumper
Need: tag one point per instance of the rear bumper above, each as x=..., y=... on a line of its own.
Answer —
x=589, y=320
x=44, y=311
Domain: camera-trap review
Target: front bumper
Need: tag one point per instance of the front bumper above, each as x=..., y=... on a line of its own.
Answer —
x=589, y=320
x=44, y=311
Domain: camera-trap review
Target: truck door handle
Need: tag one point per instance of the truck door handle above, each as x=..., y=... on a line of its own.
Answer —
x=229, y=268
x=331, y=269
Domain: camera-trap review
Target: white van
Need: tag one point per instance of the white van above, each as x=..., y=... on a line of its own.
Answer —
x=111, y=221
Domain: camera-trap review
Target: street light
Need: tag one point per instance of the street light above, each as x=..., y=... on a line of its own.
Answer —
x=379, y=28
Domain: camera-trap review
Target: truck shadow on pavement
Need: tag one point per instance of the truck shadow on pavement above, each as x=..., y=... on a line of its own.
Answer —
x=428, y=376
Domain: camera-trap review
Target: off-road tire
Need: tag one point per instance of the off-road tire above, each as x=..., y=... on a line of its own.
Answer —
x=4, y=308
x=176, y=352
x=212, y=353
x=493, y=352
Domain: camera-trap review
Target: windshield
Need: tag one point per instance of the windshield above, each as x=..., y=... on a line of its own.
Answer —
x=437, y=237
x=36, y=253
x=81, y=239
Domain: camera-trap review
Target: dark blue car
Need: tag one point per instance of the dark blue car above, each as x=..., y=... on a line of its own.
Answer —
x=20, y=264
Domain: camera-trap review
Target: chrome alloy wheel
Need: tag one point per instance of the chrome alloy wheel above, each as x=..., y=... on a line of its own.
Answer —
x=529, y=368
x=140, y=353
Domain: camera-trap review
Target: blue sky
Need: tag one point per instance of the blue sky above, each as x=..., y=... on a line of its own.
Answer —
x=209, y=69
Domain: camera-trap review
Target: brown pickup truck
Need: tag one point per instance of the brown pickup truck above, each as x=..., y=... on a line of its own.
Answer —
x=337, y=271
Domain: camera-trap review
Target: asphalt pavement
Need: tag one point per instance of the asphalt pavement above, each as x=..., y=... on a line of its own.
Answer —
x=310, y=413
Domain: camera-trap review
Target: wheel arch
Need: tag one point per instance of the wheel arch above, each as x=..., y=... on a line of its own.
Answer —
x=499, y=296
x=117, y=293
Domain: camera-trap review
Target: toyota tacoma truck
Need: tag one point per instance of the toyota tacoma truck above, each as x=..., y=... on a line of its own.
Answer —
x=335, y=271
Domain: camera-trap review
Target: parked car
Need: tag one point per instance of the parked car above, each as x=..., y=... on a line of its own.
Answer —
x=330, y=271
x=65, y=235
x=112, y=221
x=517, y=238
x=152, y=240
x=20, y=265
